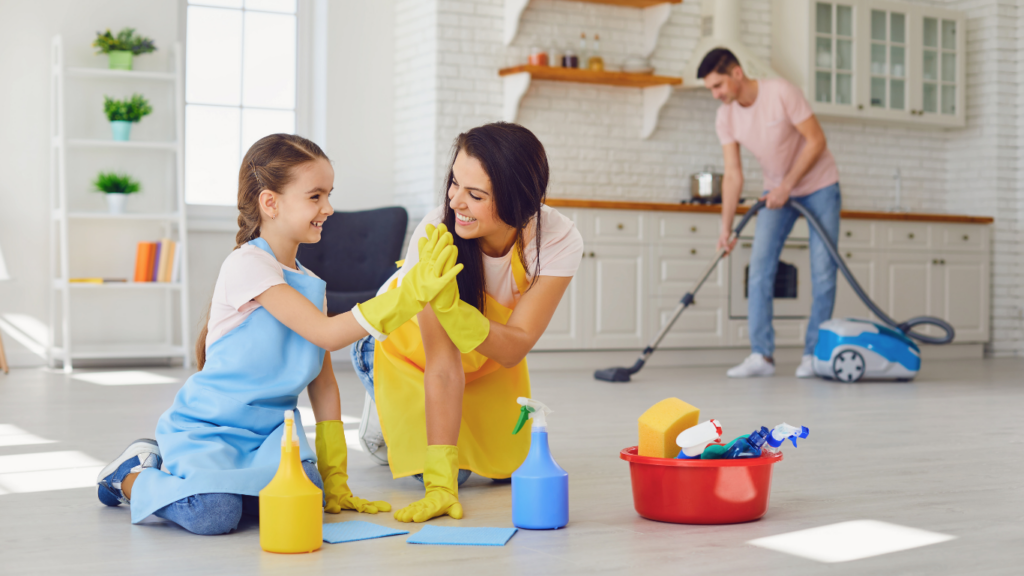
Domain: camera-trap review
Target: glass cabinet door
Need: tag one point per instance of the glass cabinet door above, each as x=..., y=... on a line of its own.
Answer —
x=833, y=53
x=888, y=88
x=939, y=66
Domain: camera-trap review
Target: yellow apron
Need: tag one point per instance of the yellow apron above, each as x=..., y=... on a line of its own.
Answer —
x=489, y=409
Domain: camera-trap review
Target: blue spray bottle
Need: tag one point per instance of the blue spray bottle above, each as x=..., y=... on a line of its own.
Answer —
x=746, y=446
x=779, y=435
x=540, y=488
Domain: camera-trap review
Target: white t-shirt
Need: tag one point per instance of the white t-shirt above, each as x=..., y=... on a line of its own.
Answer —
x=245, y=274
x=561, y=251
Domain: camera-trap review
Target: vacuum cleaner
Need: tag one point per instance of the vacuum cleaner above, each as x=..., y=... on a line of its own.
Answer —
x=848, y=350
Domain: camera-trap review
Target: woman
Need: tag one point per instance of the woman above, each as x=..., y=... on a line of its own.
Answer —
x=446, y=383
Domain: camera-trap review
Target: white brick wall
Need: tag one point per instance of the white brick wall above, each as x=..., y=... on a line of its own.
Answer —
x=591, y=132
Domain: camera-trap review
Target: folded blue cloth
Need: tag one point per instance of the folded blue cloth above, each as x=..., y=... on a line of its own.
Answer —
x=353, y=530
x=462, y=536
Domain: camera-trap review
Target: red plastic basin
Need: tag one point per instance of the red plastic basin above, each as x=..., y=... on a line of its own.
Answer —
x=700, y=491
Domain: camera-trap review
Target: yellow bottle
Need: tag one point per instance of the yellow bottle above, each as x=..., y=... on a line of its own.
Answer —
x=291, y=506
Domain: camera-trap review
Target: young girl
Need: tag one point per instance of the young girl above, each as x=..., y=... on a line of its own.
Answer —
x=446, y=383
x=264, y=343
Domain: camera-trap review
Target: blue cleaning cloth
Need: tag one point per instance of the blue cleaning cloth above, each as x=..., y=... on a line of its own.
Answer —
x=462, y=536
x=357, y=530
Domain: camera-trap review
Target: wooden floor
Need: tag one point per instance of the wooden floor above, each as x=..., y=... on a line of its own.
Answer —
x=941, y=454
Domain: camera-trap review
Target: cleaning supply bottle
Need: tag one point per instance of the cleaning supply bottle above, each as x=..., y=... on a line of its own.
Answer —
x=695, y=439
x=540, y=488
x=291, y=506
x=779, y=435
x=746, y=446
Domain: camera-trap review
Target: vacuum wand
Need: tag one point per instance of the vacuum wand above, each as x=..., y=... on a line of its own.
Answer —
x=623, y=374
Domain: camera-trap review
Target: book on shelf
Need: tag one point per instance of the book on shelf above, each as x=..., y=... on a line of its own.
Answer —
x=97, y=280
x=157, y=261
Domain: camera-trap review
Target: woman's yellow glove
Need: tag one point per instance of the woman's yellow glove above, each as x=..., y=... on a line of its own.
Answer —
x=440, y=478
x=332, y=462
x=465, y=325
x=436, y=269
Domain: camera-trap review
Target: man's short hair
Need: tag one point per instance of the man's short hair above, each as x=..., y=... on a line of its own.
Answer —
x=719, y=60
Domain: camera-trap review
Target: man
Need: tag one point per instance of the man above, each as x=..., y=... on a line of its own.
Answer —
x=771, y=119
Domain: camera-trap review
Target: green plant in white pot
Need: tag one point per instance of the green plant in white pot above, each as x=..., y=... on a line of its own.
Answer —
x=121, y=48
x=116, y=187
x=123, y=113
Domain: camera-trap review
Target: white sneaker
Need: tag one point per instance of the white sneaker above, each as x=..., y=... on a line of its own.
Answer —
x=754, y=365
x=370, y=435
x=806, y=367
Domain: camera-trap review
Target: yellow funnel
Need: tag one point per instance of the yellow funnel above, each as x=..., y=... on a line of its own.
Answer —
x=291, y=506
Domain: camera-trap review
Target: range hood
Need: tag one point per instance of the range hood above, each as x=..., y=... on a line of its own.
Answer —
x=720, y=28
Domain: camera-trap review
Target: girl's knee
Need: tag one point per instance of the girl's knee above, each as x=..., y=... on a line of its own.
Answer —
x=313, y=474
x=212, y=514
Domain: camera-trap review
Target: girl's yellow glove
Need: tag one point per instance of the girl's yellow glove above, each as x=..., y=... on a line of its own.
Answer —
x=436, y=269
x=332, y=462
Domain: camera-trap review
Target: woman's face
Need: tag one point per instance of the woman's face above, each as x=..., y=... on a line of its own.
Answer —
x=303, y=205
x=471, y=197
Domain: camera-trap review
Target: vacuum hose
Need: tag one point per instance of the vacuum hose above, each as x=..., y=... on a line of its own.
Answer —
x=623, y=374
x=904, y=327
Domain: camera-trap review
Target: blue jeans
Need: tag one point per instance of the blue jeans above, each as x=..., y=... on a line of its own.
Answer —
x=773, y=226
x=362, y=361
x=209, y=514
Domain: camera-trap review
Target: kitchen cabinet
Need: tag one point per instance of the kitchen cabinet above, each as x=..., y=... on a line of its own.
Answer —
x=637, y=264
x=873, y=60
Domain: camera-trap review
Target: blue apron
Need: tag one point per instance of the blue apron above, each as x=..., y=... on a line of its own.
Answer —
x=223, y=432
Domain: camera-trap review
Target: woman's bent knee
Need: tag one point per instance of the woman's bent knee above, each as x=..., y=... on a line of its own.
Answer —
x=212, y=514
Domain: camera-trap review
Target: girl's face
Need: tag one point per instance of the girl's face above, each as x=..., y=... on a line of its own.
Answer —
x=471, y=198
x=300, y=210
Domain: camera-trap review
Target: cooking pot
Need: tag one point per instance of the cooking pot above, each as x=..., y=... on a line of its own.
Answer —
x=706, y=186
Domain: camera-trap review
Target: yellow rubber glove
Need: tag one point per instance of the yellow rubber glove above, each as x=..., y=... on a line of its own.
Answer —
x=332, y=462
x=465, y=325
x=436, y=269
x=440, y=478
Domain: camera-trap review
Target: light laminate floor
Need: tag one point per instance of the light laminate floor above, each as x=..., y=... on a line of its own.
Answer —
x=941, y=454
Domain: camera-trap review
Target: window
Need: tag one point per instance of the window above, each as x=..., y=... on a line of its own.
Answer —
x=833, y=53
x=240, y=85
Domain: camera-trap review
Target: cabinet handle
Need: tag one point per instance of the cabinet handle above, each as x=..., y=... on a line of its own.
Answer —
x=693, y=228
x=591, y=254
x=620, y=226
x=849, y=255
x=935, y=261
x=942, y=261
x=911, y=235
x=693, y=250
x=849, y=234
x=966, y=237
x=860, y=106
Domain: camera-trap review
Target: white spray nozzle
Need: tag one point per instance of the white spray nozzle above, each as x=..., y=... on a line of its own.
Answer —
x=534, y=409
x=783, y=431
x=695, y=439
x=290, y=415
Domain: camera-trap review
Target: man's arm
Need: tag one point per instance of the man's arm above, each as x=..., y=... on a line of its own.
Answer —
x=811, y=131
x=732, y=188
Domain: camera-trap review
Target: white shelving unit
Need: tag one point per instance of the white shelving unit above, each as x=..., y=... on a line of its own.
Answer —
x=172, y=221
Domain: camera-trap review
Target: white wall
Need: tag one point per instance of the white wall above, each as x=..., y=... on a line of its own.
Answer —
x=590, y=132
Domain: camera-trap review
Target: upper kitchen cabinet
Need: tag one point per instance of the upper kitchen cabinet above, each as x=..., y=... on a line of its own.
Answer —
x=873, y=60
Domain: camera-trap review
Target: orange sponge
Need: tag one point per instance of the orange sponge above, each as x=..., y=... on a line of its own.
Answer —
x=660, y=425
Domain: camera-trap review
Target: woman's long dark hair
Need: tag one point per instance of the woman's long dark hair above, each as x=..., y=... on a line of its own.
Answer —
x=517, y=165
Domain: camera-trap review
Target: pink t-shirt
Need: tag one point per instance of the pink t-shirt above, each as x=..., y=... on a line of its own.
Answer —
x=561, y=251
x=768, y=129
x=245, y=274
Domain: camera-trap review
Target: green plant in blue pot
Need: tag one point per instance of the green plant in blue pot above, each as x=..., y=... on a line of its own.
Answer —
x=122, y=48
x=123, y=113
x=116, y=187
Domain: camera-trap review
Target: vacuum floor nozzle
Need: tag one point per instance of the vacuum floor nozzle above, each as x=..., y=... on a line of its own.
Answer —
x=613, y=374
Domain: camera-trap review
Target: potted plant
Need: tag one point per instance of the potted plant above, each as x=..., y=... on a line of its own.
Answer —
x=122, y=113
x=121, y=48
x=116, y=188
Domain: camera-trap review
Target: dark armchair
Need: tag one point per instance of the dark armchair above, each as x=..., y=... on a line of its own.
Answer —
x=356, y=254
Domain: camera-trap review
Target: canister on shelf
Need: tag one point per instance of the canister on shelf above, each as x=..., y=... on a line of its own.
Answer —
x=538, y=57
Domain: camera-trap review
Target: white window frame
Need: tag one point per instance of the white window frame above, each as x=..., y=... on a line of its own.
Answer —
x=310, y=99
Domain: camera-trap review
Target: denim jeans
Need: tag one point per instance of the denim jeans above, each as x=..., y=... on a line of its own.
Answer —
x=209, y=514
x=362, y=361
x=773, y=226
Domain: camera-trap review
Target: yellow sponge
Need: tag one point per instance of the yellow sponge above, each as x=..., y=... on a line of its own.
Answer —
x=660, y=425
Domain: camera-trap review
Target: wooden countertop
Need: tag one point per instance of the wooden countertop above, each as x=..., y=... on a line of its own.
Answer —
x=717, y=209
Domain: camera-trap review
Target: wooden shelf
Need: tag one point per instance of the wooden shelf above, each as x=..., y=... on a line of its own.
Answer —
x=632, y=3
x=656, y=89
x=627, y=79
